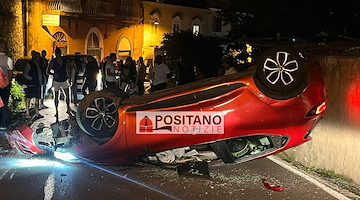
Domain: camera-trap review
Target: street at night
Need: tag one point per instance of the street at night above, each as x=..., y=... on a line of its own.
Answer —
x=44, y=178
x=179, y=99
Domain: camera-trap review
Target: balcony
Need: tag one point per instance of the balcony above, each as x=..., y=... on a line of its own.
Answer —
x=99, y=8
x=69, y=6
x=126, y=12
x=130, y=14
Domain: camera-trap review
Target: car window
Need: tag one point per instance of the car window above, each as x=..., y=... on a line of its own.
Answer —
x=189, y=99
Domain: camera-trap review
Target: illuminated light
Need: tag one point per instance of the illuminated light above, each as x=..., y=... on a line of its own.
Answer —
x=317, y=110
x=36, y=163
x=249, y=48
x=352, y=104
x=99, y=81
x=249, y=59
x=65, y=156
x=321, y=108
x=156, y=22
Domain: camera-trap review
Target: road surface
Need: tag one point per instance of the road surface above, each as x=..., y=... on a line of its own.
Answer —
x=46, y=178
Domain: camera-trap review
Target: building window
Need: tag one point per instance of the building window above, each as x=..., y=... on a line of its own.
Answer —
x=196, y=29
x=93, y=46
x=196, y=26
x=60, y=41
x=93, y=41
x=176, y=24
x=217, y=24
x=155, y=23
x=126, y=9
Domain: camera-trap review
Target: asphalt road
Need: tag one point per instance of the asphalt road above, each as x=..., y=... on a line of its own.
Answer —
x=44, y=178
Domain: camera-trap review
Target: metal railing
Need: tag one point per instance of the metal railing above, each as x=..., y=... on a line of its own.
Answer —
x=71, y=6
x=99, y=8
x=126, y=12
x=123, y=11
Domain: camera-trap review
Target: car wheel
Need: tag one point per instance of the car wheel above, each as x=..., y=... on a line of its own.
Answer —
x=281, y=73
x=97, y=114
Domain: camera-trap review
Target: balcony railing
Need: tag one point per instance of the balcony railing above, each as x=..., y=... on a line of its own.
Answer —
x=130, y=14
x=71, y=6
x=99, y=8
x=126, y=12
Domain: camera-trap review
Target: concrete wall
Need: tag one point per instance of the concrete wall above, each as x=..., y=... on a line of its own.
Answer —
x=335, y=144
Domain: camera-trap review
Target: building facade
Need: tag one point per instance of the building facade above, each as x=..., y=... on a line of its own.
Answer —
x=86, y=27
x=162, y=17
x=127, y=27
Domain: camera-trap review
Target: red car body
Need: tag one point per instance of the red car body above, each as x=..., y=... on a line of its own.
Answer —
x=248, y=112
x=23, y=141
x=262, y=113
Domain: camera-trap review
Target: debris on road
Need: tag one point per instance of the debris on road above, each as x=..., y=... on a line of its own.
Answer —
x=272, y=186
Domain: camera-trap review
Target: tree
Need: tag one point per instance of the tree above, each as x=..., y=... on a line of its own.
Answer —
x=204, y=52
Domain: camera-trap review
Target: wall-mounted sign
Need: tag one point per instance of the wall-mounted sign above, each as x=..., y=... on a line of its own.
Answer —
x=51, y=20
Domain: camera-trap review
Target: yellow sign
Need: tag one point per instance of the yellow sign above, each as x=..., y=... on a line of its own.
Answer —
x=51, y=20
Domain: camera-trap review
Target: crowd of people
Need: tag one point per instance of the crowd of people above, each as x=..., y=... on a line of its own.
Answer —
x=128, y=75
x=62, y=74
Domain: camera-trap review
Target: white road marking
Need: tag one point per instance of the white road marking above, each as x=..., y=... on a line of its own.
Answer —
x=3, y=174
x=308, y=178
x=11, y=176
x=49, y=187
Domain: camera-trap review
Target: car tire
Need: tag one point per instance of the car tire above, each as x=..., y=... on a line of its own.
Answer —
x=281, y=73
x=97, y=114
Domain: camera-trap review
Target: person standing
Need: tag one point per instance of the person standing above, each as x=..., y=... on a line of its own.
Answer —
x=6, y=64
x=110, y=71
x=43, y=66
x=72, y=75
x=34, y=76
x=141, y=75
x=57, y=68
x=91, y=72
x=128, y=72
x=102, y=69
x=161, y=74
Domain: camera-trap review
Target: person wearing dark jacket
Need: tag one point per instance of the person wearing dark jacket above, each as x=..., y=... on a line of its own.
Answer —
x=91, y=72
x=35, y=80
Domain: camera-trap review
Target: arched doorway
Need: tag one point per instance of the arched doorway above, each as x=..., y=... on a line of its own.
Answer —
x=93, y=46
x=124, y=49
x=94, y=43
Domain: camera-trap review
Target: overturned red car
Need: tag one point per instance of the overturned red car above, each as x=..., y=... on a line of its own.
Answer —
x=234, y=118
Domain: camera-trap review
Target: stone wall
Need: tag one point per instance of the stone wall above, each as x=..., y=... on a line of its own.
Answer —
x=335, y=144
x=11, y=27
